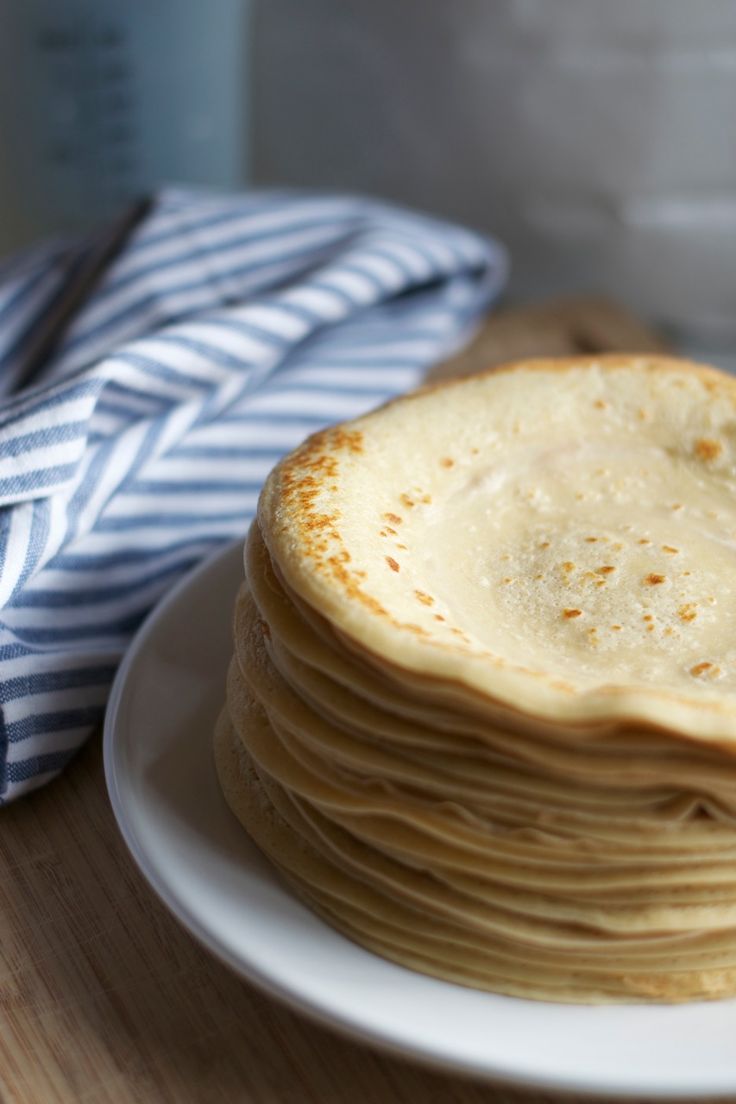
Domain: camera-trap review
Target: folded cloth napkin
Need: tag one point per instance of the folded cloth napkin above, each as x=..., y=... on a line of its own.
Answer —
x=221, y=333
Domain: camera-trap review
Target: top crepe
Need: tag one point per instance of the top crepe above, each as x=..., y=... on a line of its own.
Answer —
x=555, y=540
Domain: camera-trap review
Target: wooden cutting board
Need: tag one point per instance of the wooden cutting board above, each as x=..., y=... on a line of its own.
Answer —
x=104, y=999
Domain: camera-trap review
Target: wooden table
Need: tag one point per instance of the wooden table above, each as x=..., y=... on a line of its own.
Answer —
x=104, y=999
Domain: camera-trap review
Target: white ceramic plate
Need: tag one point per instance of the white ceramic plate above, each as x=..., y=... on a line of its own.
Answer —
x=198, y=859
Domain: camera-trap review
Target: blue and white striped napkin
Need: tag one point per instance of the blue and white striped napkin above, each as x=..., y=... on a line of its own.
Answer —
x=224, y=331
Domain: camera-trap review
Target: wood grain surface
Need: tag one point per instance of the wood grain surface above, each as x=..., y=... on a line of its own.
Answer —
x=104, y=999
x=567, y=327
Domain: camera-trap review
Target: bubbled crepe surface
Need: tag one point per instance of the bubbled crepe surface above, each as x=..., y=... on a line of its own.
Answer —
x=445, y=820
x=512, y=532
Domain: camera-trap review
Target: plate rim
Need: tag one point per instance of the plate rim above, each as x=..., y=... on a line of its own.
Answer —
x=298, y=1002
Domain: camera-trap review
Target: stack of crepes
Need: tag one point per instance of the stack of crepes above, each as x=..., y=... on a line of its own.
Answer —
x=482, y=708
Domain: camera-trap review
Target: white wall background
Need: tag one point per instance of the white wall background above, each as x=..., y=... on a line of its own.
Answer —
x=596, y=137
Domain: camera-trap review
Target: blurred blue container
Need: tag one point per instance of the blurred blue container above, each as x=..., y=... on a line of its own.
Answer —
x=102, y=100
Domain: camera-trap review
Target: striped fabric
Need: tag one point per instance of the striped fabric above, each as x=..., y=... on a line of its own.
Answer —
x=222, y=333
